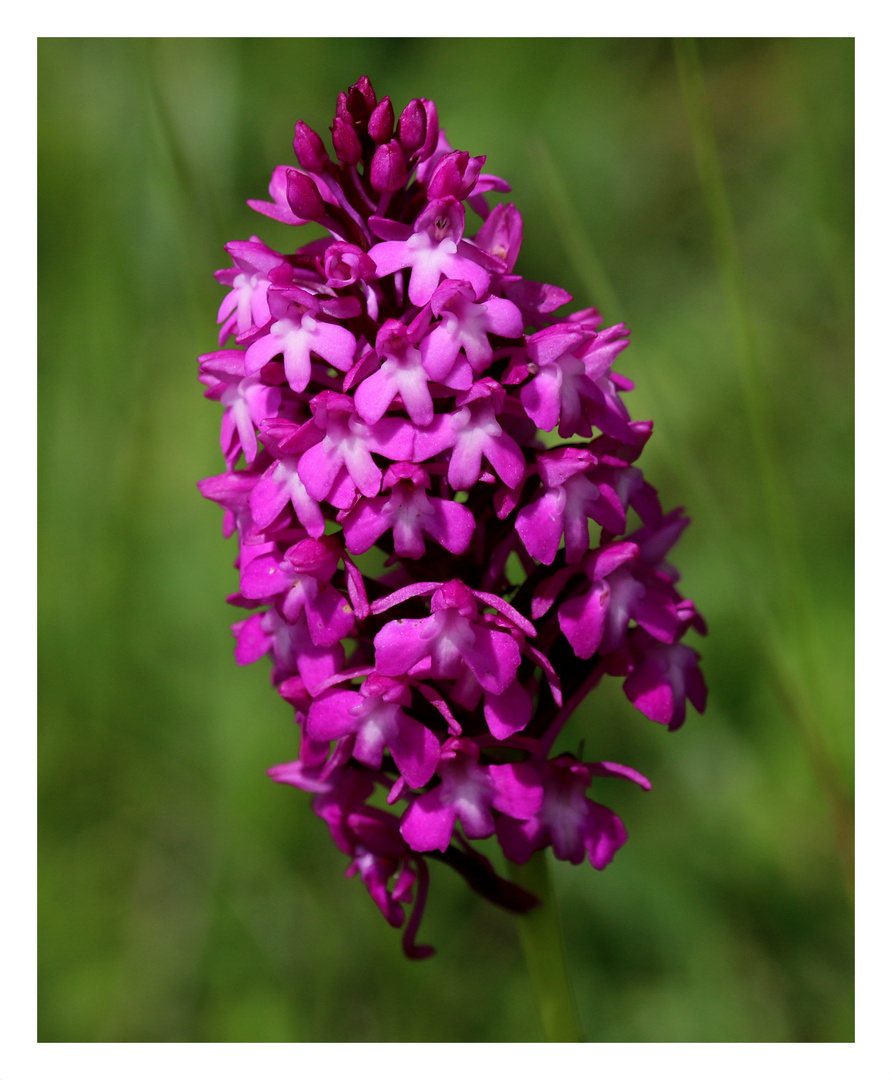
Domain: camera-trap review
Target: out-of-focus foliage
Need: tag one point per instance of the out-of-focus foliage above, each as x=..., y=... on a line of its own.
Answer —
x=184, y=896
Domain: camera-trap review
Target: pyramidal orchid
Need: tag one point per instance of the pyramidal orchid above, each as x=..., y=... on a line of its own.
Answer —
x=397, y=386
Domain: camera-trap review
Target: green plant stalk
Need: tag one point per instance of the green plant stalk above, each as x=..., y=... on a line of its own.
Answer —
x=540, y=935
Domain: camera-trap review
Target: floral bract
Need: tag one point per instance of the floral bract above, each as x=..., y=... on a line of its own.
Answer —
x=397, y=387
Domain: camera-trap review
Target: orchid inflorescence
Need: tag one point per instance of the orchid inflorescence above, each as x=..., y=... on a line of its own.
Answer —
x=397, y=386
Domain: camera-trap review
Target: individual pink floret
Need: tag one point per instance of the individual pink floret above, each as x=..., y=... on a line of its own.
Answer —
x=410, y=513
x=465, y=326
x=433, y=250
x=376, y=717
x=256, y=268
x=341, y=464
x=451, y=641
x=401, y=374
x=468, y=794
x=247, y=401
x=569, y=822
x=471, y=433
x=296, y=333
x=663, y=678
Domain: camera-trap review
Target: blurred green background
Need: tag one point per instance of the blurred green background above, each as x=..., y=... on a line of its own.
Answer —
x=183, y=895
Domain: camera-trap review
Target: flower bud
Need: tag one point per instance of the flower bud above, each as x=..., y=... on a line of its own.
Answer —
x=381, y=121
x=388, y=167
x=303, y=196
x=345, y=263
x=357, y=104
x=309, y=148
x=412, y=127
x=365, y=88
x=346, y=142
x=455, y=174
x=432, y=131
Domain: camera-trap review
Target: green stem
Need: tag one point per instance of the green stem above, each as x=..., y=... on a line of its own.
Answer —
x=540, y=935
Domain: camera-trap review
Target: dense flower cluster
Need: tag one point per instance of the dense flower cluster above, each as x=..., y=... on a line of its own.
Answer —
x=397, y=386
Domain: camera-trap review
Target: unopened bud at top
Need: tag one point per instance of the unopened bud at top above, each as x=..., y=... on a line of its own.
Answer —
x=356, y=105
x=381, y=121
x=412, y=126
x=455, y=174
x=303, y=196
x=388, y=167
x=346, y=141
x=432, y=134
x=309, y=148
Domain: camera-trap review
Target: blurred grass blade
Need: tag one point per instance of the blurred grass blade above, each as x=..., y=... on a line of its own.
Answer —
x=778, y=505
x=582, y=255
x=798, y=690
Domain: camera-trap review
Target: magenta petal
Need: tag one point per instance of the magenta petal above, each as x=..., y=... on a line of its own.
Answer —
x=261, y=352
x=494, y=659
x=252, y=641
x=611, y=557
x=509, y=712
x=427, y=269
x=300, y=776
x=439, y=351
x=541, y=523
x=610, y=768
x=655, y=611
x=649, y=690
x=263, y=578
x=315, y=663
x=541, y=399
x=329, y=616
x=438, y=436
x=451, y=525
x=393, y=437
x=548, y=591
x=363, y=471
x=365, y=524
x=428, y=824
x=356, y=590
x=415, y=750
x=400, y=644
x=506, y=458
x=318, y=469
x=465, y=463
x=583, y=618
x=608, y=509
x=329, y=715
x=518, y=790
x=416, y=397
x=476, y=819
x=390, y=256
x=695, y=687
x=374, y=395
x=419, y=588
x=605, y=834
x=335, y=344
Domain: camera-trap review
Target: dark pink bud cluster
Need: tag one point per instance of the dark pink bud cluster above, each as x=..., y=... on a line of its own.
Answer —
x=397, y=386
